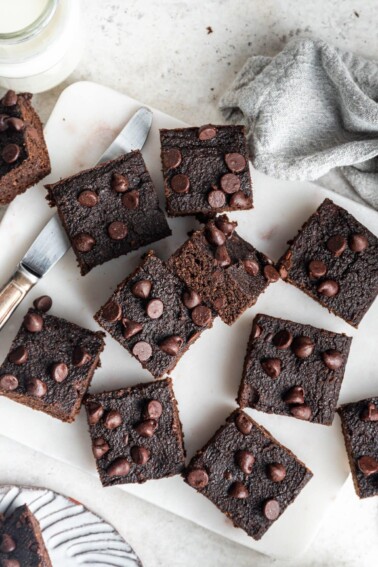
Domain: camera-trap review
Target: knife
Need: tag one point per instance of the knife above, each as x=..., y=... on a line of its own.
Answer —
x=52, y=242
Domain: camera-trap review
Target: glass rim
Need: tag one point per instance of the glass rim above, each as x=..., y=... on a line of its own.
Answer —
x=32, y=29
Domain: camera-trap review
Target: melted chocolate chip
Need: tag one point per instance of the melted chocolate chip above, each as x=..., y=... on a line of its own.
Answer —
x=120, y=183
x=10, y=153
x=117, y=230
x=294, y=396
x=243, y=424
x=370, y=413
x=238, y=490
x=207, y=132
x=140, y=455
x=9, y=99
x=336, y=244
x=119, y=467
x=272, y=367
x=99, y=447
x=333, y=359
x=142, y=289
x=235, y=162
x=239, y=200
x=226, y=226
x=222, y=256
x=171, y=345
x=147, y=428
x=245, y=460
x=358, y=243
x=33, y=322
x=201, y=316
x=59, y=372
x=230, y=183
x=197, y=478
x=368, y=465
x=276, y=472
x=7, y=544
x=112, y=312
x=8, y=382
x=154, y=409
x=43, y=303
x=88, y=199
x=130, y=200
x=317, y=269
x=216, y=199
x=180, y=184
x=301, y=412
x=271, y=510
x=214, y=236
x=271, y=274
x=171, y=158
x=35, y=387
x=283, y=339
x=251, y=267
x=83, y=242
x=113, y=419
x=303, y=347
x=142, y=351
x=80, y=357
x=191, y=299
x=155, y=308
x=19, y=355
x=131, y=328
x=328, y=288
x=95, y=413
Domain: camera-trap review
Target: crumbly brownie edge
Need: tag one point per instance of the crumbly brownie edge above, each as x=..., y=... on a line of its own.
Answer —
x=349, y=451
x=45, y=558
x=243, y=393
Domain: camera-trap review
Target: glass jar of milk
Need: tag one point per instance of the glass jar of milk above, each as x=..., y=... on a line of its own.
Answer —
x=40, y=43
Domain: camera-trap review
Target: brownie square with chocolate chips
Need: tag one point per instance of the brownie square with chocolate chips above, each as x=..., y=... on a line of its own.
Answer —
x=21, y=541
x=109, y=210
x=247, y=474
x=360, y=428
x=205, y=170
x=225, y=270
x=154, y=316
x=24, y=159
x=293, y=369
x=334, y=259
x=136, y=433
x=51, y=363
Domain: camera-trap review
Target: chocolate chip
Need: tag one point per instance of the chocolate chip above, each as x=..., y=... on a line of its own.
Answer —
x=256, y=331
x=95, y=412
x=10, y=563
x=239, y=200
x=155, y=308
x=7, y=544
x=131, y=328
x=88, y=199
x=214, y=236
x=113, y=419
x=142, y=289
x=317, y=269
x=243, y=423
x=368, y=465
x=272, y=367
x=191, y=299
x=197, y=478
x=328, y=288
x=235, y=162
x=282, y=339
x=230, y=183
x=154, y=409
x=238, y=490
x=112, y=312
x=171, y=345
x=244, y=460
x=301, y=412
x=140, y=455
x=9, y=99
x=207, y=132
x=271, y=274
x=336, y=244
x=120, y=183
x=8, y=382
x=15, y=123
x=3, y=122
x=19, y=355
x=271, y=510
x=59, y=372
x=251, y=267
x=226, y=226
x=294, y=396
x=276, y=472
x=130, y=200
x=10, y=153
x=83, y=242
x=117, y=230
x=303, y=347
x=201, y=316
x=370, y=413
x=43, y=303
x=36, y=387
x=80, y=357
x=358, y=243
x=216, y=199
x=119, y=467
x=142, y=351
x=333, y=359
x=171, y=158
x=147, y=428
x=99, y=447
x=33, y=322
x=222, y=256
x=180, y=183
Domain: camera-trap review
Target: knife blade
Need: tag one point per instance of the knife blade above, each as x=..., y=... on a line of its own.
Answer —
x=52, y=243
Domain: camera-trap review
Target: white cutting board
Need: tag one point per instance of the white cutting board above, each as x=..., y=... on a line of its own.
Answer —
x=85, y=120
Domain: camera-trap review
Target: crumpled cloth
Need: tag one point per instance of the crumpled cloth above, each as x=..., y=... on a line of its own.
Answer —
x=308, y=110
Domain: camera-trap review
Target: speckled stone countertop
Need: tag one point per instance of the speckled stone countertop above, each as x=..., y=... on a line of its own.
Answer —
x=180, y=56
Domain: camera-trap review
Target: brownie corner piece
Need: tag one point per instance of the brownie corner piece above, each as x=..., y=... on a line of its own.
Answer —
x=136, y=433
x=24, y=159
x=109, y=210
x=360, y=429
x=205, y=170
x=51, y=364
x=247, y=474
x=154, y=316
x=334, y=260
x=293, y=369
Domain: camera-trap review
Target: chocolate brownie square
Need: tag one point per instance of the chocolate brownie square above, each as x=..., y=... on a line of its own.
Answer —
x=136, y=433
x=247, y=474
x=51, y=363
x=293, y=369
x=21, y=542
x=225, y=270
x=109, y=210
x=24, y=159
x=154, y=316
x=205, y=170
x=334, y=259
x=360, y=428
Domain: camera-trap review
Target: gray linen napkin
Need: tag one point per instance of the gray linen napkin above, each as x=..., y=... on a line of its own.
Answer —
x=308, y=110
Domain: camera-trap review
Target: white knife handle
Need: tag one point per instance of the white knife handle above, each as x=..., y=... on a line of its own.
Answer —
x=14, y=292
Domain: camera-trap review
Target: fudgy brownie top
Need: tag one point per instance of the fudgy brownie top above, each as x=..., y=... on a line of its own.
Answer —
x=334, y=259
x=154, y=316
x=247, y=474
x=293, y=369
x=21, y=543
x=12, y=140
x=205, y=169
x=136, y=433
x=225, y=270
x=360, y=427
x=50, y=364
x=109, y=210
